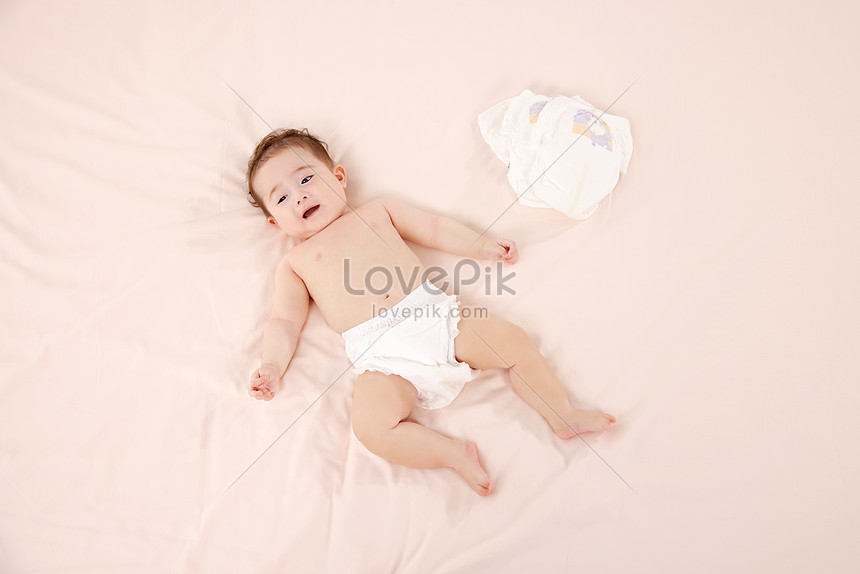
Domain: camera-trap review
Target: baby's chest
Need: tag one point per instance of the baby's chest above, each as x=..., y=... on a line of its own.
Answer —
x=357, y=246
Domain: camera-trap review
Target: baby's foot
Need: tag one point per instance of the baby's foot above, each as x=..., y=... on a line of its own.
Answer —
x=577, y=421
x=469, y=467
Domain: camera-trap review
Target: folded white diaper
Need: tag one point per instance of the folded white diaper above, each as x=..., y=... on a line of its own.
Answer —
x=561, y=152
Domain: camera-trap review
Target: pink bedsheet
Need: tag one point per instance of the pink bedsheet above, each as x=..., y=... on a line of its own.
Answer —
x=711, y=305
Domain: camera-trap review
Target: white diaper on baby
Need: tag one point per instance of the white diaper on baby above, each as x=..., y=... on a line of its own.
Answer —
x=561, y=152
x=415, y=340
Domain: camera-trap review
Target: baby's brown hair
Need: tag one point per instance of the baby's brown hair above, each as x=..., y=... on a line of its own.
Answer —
x=279, y=140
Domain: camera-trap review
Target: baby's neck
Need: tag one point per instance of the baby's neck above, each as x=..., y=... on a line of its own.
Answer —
x=346, y=211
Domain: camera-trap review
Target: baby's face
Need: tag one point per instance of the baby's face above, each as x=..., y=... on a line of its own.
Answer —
x=303, y=195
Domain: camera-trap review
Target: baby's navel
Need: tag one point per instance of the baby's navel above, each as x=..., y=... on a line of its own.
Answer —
x=317, y=256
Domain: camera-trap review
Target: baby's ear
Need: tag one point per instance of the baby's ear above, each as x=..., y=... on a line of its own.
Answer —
x=340, y=173
x=272, y=221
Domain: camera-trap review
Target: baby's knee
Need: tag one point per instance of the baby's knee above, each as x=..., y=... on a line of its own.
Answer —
x=518, y=334
x=368, y=427
x=516, y=339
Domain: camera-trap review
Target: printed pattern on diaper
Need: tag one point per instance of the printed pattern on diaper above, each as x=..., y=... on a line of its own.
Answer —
x=534, y=111
x=598, y=133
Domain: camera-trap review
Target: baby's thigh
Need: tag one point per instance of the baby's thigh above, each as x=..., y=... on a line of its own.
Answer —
x=486, y=341
x=380, y=400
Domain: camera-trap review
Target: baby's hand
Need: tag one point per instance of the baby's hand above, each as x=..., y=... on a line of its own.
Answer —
x=263, y=382
x=499, y=250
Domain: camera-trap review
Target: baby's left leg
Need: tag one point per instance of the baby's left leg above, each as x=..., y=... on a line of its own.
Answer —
x=380, y=406
x=491, y=342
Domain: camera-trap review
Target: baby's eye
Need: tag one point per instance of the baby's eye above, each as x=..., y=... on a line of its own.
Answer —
x=283, y=197
x=306, y=179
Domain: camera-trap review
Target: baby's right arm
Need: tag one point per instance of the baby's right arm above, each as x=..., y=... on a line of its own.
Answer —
x=289, y=312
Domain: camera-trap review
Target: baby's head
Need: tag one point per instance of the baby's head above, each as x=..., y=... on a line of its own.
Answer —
x=294, y=181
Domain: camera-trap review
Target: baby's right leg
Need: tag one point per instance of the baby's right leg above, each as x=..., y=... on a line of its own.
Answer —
x=380, y=406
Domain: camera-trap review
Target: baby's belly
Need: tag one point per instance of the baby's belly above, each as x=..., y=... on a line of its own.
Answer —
x=363, y=295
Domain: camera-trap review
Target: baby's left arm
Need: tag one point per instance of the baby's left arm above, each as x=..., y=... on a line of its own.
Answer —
x=446, y=234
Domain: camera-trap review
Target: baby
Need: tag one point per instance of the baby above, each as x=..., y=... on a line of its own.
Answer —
x=419, y=350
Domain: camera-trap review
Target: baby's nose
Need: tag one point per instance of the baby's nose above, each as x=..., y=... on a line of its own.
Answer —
x=301, y=199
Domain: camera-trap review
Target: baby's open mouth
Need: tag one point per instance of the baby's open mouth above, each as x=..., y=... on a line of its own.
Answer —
x=310, y=211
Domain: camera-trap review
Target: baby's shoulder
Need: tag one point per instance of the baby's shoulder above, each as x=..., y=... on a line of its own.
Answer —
x=288, y=262
x=373, y=213
x=374, y=206
x=379, y=208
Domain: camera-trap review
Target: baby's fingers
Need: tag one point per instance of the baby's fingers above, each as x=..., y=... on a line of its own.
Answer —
x=513, y=255
x=261, y=393
x=509, y=250
x=260, y=386
x=499, y=254
x=495, y=252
